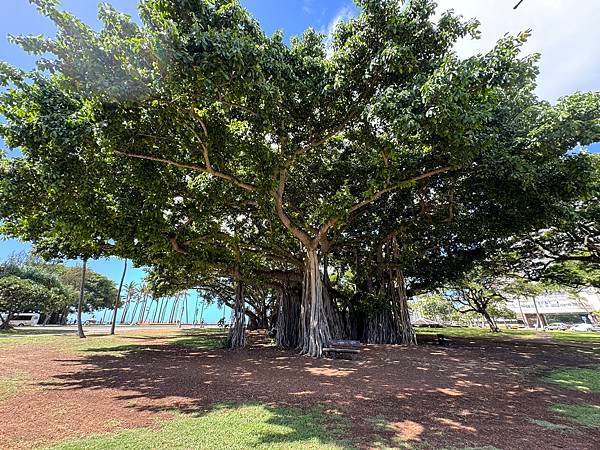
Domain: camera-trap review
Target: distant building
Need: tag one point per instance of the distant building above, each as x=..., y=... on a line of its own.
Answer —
x=557, y=307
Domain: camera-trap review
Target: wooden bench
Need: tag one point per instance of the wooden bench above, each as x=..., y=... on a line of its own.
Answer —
x=338, y=348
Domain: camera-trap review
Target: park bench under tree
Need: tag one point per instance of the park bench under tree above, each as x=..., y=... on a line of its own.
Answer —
x=342, y=348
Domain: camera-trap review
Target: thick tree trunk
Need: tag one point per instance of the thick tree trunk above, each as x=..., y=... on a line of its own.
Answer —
x=80, y=302
x=379, y=328
x=237, y=334
x=288, y=319
x=47, y=318
x=118, y=300
x=493, y=326
x=315, y=326
x=64, y=315
x=338, y=325
x=5, y=323
x=405, y=333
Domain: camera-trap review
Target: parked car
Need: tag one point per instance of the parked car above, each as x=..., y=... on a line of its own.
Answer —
x=583, y=327
x=557, y=326
x=23, y=319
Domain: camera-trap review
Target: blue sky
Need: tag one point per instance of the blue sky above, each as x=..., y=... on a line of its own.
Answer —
x=294, y=16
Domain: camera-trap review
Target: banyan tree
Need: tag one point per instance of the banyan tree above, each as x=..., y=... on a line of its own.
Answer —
x=193, y=136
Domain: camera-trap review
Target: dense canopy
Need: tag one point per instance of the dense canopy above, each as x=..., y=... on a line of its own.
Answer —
x=344, y=175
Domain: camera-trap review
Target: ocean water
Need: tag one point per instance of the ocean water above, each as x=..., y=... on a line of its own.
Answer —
x=189, y=310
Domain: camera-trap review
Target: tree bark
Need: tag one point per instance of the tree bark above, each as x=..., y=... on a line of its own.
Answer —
x=288, y=318
x=493, y=326
x=315, y=327
x=338, y=325
x=5, y=323
x=405, y=331
x=237, y=335
x=118, y=300
x=80, y=302
x=47, y=318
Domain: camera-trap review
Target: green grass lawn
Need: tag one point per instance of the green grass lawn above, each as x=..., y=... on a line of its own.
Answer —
x=584, y=380
x=467, y=332
x=124, y=340
x=586, y=415
x=592, y=338
x=10, y=385
x=577, y=337
x=228, y=427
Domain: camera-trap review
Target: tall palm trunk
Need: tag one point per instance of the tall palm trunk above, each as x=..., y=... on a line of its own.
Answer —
x=80, y=302
x=118, y=300
x=143, y=308
x=158, y=310
x=134, y=310
x=202, y=312
x=185, y=308
x=173, y=309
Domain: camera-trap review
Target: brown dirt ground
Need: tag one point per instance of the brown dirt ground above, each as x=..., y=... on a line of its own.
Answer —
x=474, y=392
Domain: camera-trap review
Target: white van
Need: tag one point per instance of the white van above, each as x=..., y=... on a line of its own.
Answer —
x=23, y=319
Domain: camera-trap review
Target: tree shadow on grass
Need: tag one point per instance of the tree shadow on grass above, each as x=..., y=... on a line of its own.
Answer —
x=230, y=425
x=469, y=392
x=186, y=339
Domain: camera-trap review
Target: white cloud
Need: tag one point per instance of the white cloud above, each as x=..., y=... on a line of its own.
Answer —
x=344, y=13
x=307, y=6
x=565, y=32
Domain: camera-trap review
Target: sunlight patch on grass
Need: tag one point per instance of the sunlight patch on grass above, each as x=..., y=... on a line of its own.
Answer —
x=205, y=339
x=124, y=341
x=567, y=337
x=549, y=425
x=228, y=427
x=586, y=415
x=584, y=380
x=10, y=385
x=576, y=337
x=464, y=332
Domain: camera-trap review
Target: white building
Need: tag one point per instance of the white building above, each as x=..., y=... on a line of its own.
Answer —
x=557, y=307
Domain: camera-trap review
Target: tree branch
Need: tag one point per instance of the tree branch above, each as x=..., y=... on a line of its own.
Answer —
x=285, y=219
x=380, y=193
x=181, y=165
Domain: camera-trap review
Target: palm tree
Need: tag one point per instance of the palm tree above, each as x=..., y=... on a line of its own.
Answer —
x=118, y=300
x=80, y=302
x=130, y=293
